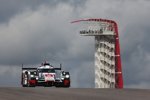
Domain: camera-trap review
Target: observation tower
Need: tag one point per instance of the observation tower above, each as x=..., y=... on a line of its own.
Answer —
x=108, y=70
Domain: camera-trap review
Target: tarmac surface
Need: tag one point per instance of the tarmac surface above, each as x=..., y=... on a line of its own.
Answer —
x=47, y=93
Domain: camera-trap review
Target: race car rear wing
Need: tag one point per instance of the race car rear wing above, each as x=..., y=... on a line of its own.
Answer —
x=29, y=68
x=59, y=67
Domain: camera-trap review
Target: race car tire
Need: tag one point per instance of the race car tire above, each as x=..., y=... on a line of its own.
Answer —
x=24, y=85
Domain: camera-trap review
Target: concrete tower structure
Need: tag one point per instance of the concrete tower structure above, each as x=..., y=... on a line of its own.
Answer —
x=108, y=71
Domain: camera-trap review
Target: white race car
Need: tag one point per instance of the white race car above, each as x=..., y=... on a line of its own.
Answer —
x=45, y=75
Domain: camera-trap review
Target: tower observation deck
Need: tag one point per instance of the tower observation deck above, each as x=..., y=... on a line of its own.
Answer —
x=108, y=71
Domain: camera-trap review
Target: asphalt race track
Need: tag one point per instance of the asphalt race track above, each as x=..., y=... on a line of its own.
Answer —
x=47, y=93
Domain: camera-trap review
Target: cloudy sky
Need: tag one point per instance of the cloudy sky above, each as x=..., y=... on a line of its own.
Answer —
x=32, y=31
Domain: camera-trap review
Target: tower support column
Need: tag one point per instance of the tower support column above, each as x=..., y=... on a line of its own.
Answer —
x=104, y=61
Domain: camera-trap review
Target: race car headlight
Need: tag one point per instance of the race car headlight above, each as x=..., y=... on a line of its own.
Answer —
x=32, y=75
x=67, y=76
x=37, y=78
x=62, y=78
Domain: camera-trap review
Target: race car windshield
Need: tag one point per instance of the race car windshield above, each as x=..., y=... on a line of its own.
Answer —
x=47, y=70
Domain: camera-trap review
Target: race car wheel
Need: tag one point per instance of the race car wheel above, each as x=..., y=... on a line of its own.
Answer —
x=66, y=83
x=31, y=84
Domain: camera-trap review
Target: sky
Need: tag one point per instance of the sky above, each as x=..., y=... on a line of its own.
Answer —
x=32, y=31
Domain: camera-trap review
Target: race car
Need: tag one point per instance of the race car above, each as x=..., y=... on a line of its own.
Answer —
x=45, y=75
